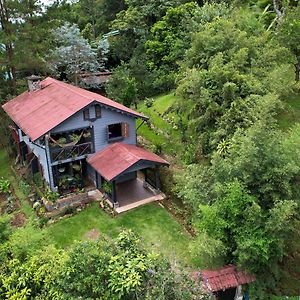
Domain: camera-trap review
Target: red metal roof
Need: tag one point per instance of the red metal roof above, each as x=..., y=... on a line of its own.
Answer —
x=39, y=111
x=225, y=278
x=118, y=157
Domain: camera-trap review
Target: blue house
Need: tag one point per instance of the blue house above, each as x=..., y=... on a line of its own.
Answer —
x=76, y=138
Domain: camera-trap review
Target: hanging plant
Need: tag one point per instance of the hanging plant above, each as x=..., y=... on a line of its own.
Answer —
x=107, y=187
x=87, y=134
x=76, y=167
x=61, y=141
x=75, y=137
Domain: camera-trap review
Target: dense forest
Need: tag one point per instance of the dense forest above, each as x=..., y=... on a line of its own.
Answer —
x=231, y=67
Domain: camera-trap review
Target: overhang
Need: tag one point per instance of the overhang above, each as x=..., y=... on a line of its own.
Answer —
x=119, y=157
x=37, y=112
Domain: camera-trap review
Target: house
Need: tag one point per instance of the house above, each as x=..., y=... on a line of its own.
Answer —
x=77, y=138
x=227, y=283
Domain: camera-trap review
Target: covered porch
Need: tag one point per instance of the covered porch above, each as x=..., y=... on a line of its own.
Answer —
x=127, y=175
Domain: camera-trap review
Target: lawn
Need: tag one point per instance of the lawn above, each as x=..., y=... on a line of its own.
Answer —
x=165, y=132
x=159, y=230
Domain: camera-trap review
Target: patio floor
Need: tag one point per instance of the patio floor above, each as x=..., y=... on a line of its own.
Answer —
x=131, y=194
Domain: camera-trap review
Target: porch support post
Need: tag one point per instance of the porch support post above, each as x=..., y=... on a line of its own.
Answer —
x=157, y=181
x=145, y=175
x=114, y=193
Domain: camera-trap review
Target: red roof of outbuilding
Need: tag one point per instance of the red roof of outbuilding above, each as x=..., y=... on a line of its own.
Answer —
x=225, y=278
x=39, y=111
x=118, y=157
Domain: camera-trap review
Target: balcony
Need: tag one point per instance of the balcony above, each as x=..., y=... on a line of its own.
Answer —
x=60, y=154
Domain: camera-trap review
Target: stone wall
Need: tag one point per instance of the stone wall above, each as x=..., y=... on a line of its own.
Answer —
x=70, y=201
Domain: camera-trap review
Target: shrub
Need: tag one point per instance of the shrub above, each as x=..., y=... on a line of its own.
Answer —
x=5, y=229
x=25, y=187
x=4, y=186
x=149, y=102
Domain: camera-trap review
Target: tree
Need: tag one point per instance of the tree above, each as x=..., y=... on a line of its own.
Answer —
x=122, y=86
x=73, y=53
x=23, y=33
x=225, y=78
x=255, y=238
x=289, y=32
x=171, y=37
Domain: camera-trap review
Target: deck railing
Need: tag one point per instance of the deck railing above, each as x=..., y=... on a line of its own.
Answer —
x=70, y=151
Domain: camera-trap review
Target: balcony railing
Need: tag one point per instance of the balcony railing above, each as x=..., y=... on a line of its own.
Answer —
x=70, y=151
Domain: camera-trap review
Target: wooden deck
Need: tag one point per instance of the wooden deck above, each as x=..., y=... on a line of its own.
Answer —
x=131, y=194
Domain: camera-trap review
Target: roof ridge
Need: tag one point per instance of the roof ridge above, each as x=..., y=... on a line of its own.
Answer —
x=127, y=150
x=66, y=85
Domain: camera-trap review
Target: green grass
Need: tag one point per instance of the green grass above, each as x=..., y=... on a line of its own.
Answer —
x=159, y=230
x=291, y=113
x=165, y=133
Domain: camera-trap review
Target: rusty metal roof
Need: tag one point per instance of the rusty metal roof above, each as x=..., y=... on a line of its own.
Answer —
x=118, y=157
x=37, y=112
x=225, y=278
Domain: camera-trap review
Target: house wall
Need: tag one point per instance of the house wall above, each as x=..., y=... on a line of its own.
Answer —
x=108, y=116
x=40, y=153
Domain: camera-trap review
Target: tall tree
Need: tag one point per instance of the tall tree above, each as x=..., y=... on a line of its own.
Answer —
x=289, y=34
x=73, y=53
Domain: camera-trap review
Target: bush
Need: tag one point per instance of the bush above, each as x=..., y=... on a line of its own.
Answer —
x=25, y=187
x=5, y=229
x=26, y=241
x=4, y=186
x=149, y=102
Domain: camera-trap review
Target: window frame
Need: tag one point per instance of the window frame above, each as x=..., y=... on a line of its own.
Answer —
x=116, y=138
x=86, y=114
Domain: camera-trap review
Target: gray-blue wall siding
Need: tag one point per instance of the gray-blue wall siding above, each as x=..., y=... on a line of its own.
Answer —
x=108, y=117
x=40, y=153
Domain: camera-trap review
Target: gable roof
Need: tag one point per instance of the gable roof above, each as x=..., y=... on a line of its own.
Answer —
x=118, y=157
x=37, y=112
x=225, y=278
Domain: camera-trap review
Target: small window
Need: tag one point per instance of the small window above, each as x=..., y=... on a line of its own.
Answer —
x=115, y=131
x=86, y=114
x=98, y=111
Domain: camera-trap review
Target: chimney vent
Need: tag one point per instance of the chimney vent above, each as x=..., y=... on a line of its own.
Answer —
x=34, y=83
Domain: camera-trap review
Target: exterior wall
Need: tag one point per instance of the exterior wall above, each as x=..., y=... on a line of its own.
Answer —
x=108, y=116
x=40, y=153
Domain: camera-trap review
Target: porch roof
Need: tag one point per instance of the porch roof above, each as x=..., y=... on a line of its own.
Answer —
x=225, y=278
x=119, y=157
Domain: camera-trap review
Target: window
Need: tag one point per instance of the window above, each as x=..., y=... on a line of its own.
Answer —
x=98, y=111
x=86, y=114
x=117, y=131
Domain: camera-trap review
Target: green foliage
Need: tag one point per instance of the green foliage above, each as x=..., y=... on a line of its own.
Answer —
x=5, y=229
x=107, y=187
x=4, y=186
x=171, y=37
x=85, y=272
x=288, y=33
x=35, y=278
x=27, y=241
x=122, y=86
x=226, y=80
x=50, y=195
x=25, y=187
